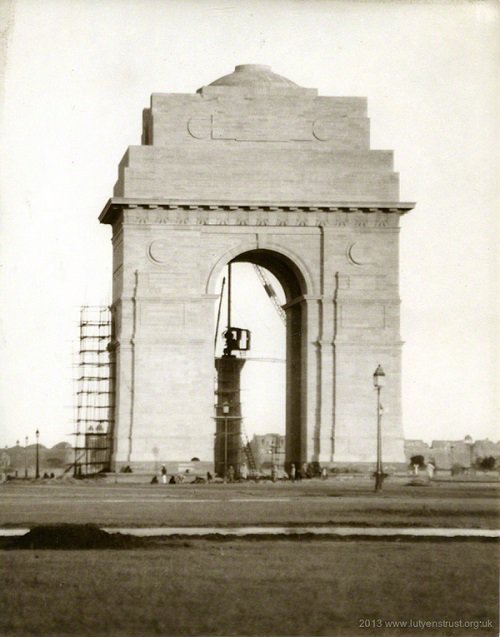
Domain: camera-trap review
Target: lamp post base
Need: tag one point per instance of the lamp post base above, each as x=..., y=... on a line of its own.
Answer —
x=379, y=479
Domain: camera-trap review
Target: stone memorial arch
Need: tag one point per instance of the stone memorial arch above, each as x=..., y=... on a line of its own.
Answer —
x=255, y=168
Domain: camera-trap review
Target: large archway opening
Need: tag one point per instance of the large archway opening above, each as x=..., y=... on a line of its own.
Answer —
x=259, y=384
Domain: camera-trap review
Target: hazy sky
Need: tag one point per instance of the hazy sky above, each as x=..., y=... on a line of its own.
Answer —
x=79, y=73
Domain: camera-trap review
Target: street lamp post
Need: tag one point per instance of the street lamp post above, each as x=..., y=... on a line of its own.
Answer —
x=26, y=457
x=225, y=411
x=379, y=382
x=37, y=475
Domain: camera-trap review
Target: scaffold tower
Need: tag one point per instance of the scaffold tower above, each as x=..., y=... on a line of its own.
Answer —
x=95, y=392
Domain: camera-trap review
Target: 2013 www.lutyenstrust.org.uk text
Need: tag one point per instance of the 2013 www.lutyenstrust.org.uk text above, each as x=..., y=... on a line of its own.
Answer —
x=421, y=624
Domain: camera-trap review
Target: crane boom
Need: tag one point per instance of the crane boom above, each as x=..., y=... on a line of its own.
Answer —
x=270, y=292
x=218, y=312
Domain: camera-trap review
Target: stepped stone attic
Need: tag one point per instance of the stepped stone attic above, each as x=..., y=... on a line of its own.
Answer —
x=253, y=167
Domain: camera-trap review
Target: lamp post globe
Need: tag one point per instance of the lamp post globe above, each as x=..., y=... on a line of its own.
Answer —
x=379, y=377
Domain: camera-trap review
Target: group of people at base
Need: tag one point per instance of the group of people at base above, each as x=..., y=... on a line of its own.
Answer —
x=174, y=479
x=295, y=474
x=305, y=471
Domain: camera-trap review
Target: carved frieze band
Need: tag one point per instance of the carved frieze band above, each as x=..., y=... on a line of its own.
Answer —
x=260, y=216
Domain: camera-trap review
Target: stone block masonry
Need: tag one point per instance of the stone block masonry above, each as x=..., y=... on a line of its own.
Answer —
x=255, y=168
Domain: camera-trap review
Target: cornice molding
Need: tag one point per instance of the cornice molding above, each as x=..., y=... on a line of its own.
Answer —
x=171, y=212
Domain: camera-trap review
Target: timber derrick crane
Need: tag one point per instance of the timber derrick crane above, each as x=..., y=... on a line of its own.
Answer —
x=232, y=446
x=261, y=273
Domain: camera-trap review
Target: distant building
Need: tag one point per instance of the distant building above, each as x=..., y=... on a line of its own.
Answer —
x=417, y=448
x=485, y=448
x=445, y=454
x=268, y=449
x=4, y=461
x=52, y=460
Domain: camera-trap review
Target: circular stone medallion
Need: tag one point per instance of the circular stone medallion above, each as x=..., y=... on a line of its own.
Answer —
x=158, y=251
x=359, y=253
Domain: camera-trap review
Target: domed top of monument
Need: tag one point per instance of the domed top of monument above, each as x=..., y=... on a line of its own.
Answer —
x=253, y=79
x=256, y=136
x=252, y=74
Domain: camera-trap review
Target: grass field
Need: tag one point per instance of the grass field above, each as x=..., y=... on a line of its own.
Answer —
x=264, y=587
x=314, y=502
x=250, y=588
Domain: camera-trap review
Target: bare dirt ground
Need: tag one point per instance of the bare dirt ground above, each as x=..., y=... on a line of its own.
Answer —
x=468, y=505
